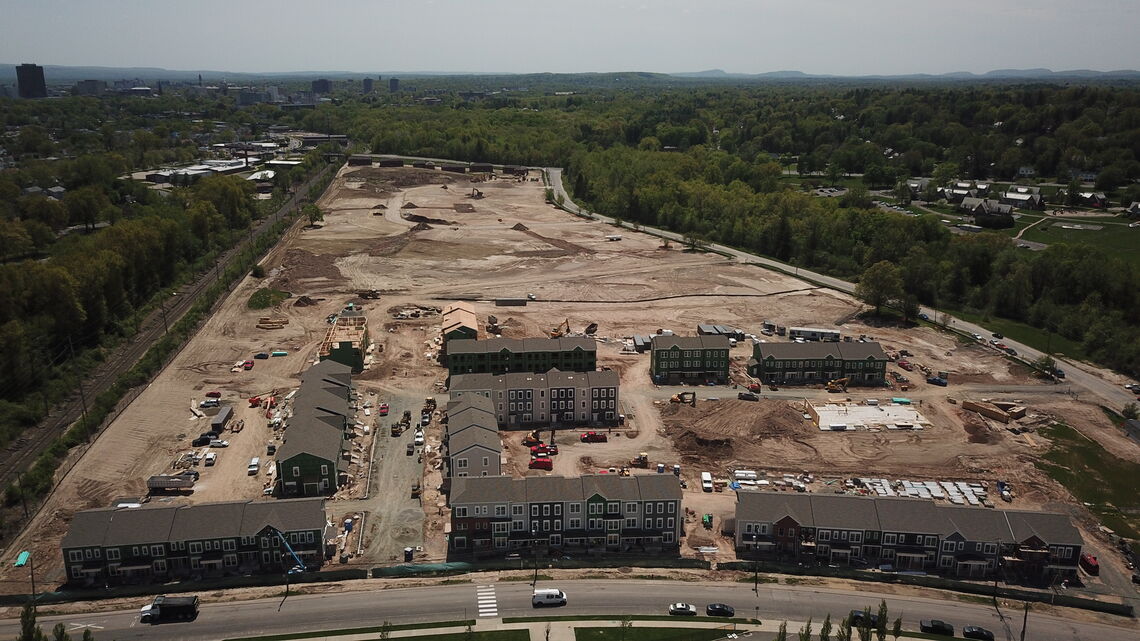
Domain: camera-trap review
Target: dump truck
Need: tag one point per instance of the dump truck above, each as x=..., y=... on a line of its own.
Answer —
x=641, y=460
x=182, y=481
x=169, y=608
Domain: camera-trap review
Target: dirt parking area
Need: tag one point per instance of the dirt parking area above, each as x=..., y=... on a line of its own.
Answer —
x=421, y=239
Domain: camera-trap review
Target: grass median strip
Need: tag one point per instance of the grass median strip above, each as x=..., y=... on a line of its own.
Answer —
x=374, y=629
x=647, y=634
x=619, y=617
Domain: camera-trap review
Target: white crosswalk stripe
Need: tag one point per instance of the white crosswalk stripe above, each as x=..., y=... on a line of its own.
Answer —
x=486, y=601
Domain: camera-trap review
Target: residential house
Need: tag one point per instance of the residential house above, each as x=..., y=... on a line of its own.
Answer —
x=347, y=340
x=1023, y=197
x=1026, y=172
x=553, y=399
x=472, y=438
x=988, y=213
x=311, y=460
x=906, y=534
x=459, y=321
x=594, y=513
x=694, y=359
x=806, y=363
x=535, y=355
x=917, y=186
x=169, y=542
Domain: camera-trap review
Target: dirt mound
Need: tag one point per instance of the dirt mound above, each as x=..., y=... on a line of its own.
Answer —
x=416, y=218
x=410, y=206
x=695, y=446
x=464, y=208
x=520, y=227
x=381, y=206
x=304, y=301
x=422, y=227
x=299, y=264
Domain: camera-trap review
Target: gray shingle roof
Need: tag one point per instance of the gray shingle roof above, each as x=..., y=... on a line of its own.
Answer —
x=821, y=351
x=773, y=506
x=554, y=489
x=486, y=489
x=689, y=342
x=465, y=439
x=519, y=345
x=839, y=512
x=1052, y=528
x=526, y=380
x=108, y=527
x=320, y=409
x=329, y=371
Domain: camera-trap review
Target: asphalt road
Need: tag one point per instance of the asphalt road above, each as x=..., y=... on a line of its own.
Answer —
x=454, y=602
x=1078, y=379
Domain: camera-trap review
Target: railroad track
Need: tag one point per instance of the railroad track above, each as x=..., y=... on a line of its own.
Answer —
x=18, y=457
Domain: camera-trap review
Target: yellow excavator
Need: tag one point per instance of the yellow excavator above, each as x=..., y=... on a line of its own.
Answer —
x=561, y=329
x=688, y=398
x=838, y=385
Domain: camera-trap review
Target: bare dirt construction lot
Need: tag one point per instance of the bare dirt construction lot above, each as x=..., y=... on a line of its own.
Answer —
x=422, y=239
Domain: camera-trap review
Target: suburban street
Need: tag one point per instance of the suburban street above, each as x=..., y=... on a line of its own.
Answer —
x=1076, y=375
x=772, y=604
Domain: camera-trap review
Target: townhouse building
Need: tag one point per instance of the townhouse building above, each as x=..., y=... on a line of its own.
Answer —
x=594, y=513
x=310, y=460
x=690, y=359
x=906, y=534
x=167, y=542
x=534, y=355
x=471, y=437
x=554, y=399
x=806, y=363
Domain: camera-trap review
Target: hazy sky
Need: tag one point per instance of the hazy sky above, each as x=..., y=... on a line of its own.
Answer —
x=847, y=37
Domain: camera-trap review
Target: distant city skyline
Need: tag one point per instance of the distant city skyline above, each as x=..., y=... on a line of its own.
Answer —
x=830, y=37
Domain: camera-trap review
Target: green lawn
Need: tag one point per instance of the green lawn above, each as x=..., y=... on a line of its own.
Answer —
x=1102, y=481
x=1114, y=238
x=1022, y=333
x=265, y=298
x=647, y=634
x=347, y=631
x=496, y=635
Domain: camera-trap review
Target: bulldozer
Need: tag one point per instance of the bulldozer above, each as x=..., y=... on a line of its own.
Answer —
x=838, y=385
x=684, y=397
x=531, y=439
x=641, y=460
x=561, y=329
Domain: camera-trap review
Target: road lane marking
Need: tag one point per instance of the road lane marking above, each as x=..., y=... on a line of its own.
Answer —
x=486, y=601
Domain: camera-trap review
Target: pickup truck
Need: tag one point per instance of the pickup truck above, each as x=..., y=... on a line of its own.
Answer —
x=937, y=380
x=593, y=437
x=169, y=608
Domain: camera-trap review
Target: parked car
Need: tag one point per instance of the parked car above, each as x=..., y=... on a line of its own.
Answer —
x=975, y=632
x=208, y=403
x=936, y=626
x=720, y=610
x=383, y=409
x=211, y=458
x=544, y=450
x=978, y=337
x=683, y=609
x=541, y=464
x=213, y=394
x=254, y=466
x=593, y=437
x=855, y=618
x=219, y=443
x=261, y=356
x=924, y=316
x=248, y=365
x=936, y=380
x=410, y=450
x=425, y=418
x=997, y=335
x=201, y=441
x=419, y=437
x=747, y=396
x=1011, y=351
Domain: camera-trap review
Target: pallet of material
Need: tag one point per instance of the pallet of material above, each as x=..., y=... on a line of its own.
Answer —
x=278, y=320
x=270, y=326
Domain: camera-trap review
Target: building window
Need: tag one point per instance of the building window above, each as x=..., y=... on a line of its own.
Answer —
x=76, y=556
x=991, y=548
x=112, y=554
x=947, y=546
x=546, y=510
x=825, y=535
x=534, y=510
x=575, y=524
x=931, y=541
x=518, y=510
x=461, y=464
x=500, y=510
x=296, y=471
x=195, y=547
x=889, y=539
x=460, y=512
x=631, y=507
x=856, y=537
x=557, y=509
x=156, y=550
x=575, y=508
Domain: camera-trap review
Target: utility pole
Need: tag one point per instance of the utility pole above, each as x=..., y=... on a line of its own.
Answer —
x=82, y=395
x=162, y=306
x=1025, y=621
x=534, y=545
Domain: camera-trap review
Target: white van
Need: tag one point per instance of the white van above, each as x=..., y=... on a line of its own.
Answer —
x=254, y=466
x=706, y=481
x=211, y=458
x=542, y=598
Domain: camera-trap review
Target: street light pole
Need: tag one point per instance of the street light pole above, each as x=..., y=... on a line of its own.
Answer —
x=534, y=546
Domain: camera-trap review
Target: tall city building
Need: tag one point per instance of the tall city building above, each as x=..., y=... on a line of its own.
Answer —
x=322, y=85
x=393, y=84
x=30, y=79
x=367, y=85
